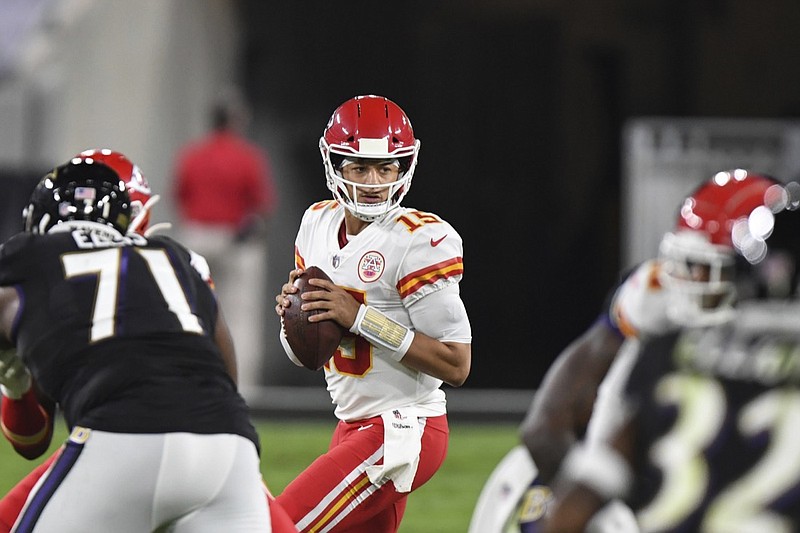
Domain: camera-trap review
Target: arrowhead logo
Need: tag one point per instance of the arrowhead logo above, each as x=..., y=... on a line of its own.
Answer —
x=436, y=242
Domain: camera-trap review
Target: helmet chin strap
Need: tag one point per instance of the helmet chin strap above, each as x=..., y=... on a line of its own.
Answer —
x=362, y=216
x=368, y=212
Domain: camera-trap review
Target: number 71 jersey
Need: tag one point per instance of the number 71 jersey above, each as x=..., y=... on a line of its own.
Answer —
x=78, y=291
x=391, y=265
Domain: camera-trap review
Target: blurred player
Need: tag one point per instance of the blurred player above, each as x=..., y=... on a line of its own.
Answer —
x=224, y=195
x=395, y=273
x=515, y=497
x=703, y=438
x=563, y=406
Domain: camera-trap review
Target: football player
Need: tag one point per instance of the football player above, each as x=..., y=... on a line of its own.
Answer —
x=25, y=419
x=562, y=410
x=21, y=409
x=139, y=396
x=701, y=436
x=395, y=275
x=516, y=495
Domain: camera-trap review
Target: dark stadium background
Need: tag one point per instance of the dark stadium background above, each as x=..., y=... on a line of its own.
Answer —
x=519, y=105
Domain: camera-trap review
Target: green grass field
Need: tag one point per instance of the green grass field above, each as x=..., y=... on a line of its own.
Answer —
x=443, y=505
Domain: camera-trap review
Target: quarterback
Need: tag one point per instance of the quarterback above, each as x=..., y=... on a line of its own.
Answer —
x=395, y=275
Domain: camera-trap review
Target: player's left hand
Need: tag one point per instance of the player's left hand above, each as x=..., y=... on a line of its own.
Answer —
x=15, y=379
x=335, y=303
x=286, y=289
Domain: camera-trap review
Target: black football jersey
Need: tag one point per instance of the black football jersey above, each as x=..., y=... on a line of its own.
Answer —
x=119, y=332
x=718, y=425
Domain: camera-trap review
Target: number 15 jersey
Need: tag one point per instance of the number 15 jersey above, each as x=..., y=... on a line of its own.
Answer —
x=392, y=265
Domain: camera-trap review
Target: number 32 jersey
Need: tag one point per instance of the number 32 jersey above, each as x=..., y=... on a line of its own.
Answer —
x=392, y=265
x=718, y=422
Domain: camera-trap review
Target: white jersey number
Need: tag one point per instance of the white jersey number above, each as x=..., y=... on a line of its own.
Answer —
x=742, y=506
x=105, y=265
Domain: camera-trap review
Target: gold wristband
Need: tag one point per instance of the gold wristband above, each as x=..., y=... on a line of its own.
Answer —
x=383, y=331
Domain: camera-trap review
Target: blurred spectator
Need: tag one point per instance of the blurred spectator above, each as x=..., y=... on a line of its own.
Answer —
x=224, y=193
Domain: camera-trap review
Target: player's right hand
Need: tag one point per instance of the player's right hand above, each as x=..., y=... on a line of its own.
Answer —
x=15, y=379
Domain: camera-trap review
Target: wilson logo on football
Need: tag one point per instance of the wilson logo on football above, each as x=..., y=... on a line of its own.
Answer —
x=371, y=266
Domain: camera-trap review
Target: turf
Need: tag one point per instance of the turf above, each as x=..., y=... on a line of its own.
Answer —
x=443, y=505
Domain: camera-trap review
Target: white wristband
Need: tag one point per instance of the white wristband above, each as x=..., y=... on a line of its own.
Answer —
x=600, y=468
x=15, y=379
x=382, y=331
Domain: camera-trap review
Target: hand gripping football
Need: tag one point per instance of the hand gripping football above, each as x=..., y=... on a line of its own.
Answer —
x=312, y=342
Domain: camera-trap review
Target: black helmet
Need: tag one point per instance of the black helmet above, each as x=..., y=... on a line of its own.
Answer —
x=78, y=190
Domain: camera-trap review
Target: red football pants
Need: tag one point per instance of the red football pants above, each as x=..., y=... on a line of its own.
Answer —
x=334, y=492
x=13, y=502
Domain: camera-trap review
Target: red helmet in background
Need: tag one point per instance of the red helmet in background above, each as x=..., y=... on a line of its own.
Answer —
x=368, y=127
x=730, y=215
x=136, y=184
x=715, y=207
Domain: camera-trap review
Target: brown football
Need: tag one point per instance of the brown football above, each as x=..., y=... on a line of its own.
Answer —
x=312, y=342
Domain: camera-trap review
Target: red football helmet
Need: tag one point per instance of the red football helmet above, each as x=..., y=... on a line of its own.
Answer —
x=142, y=198
x=728, y=216
x=368, y=127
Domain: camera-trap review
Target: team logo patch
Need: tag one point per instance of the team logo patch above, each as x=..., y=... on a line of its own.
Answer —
x=80, y=434
x=534, y=503
x=137, y=182
x=371, y=266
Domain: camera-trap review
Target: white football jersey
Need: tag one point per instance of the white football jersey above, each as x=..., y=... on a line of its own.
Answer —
x=639, y=306
x=391, y=265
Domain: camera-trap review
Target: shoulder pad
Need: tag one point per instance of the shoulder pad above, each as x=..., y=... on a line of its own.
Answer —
x=639, y=305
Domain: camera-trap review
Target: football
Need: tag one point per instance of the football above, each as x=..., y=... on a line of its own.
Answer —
x=312, y=342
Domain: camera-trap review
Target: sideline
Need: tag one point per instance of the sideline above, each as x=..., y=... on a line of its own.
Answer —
x=491, y=405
